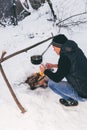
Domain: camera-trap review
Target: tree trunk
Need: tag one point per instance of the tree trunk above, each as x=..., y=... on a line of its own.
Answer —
x=51, y=7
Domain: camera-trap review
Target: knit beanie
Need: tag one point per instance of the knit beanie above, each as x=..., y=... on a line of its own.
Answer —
x=59, y=40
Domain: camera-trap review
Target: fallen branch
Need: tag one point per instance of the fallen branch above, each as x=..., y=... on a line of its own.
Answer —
x=10, y=88
x=71, y=17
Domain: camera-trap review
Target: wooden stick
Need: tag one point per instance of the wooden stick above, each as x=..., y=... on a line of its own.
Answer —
x=24, y=50
x=9, y=86
x=11, y=90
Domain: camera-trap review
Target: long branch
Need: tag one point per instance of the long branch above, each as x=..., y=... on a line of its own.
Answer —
x=73, y=24
x=71, y=17
x=9, y=86
x=24, y=50
x=11, y=90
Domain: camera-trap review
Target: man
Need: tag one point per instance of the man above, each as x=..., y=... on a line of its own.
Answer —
x=72, y=65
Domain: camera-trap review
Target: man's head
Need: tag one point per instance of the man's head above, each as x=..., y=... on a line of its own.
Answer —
x=58, y=41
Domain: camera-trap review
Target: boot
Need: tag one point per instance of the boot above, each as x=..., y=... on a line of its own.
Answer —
x=68, y=102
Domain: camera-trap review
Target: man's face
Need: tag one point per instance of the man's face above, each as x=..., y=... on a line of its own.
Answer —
x=57, y=49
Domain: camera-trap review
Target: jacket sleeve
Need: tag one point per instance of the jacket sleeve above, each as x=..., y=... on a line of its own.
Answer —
x=62, y=71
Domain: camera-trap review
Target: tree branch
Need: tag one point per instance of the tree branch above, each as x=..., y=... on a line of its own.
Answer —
x=73, y=24
x=24, y=50
x=71, y=17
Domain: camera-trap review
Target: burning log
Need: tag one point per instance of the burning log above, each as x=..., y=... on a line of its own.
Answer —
x=37, y=80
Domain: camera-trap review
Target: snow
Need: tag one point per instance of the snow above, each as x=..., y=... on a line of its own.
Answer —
x=44, y=112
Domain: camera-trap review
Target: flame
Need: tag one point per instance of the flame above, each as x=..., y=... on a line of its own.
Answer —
x=42, y=74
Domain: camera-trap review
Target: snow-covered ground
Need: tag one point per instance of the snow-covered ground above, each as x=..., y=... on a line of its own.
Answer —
x=44, y=112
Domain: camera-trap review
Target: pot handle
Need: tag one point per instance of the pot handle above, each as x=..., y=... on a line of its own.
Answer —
x=46, y=49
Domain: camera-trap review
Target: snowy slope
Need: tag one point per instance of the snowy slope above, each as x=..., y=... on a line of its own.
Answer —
x=44, y=112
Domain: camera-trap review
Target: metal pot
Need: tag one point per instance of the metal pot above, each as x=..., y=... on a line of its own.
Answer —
x=37, y=59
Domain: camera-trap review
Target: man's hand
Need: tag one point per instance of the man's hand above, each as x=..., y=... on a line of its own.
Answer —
x=47, y=66
x=43, y=68
x=50, y=66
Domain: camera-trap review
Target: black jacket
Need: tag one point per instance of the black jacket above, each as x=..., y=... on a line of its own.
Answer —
x=72, y=65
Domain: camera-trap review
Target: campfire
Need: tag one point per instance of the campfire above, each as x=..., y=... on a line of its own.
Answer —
x=37, y=80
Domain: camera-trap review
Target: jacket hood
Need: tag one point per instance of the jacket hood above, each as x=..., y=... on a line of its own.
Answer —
x=69, y=47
